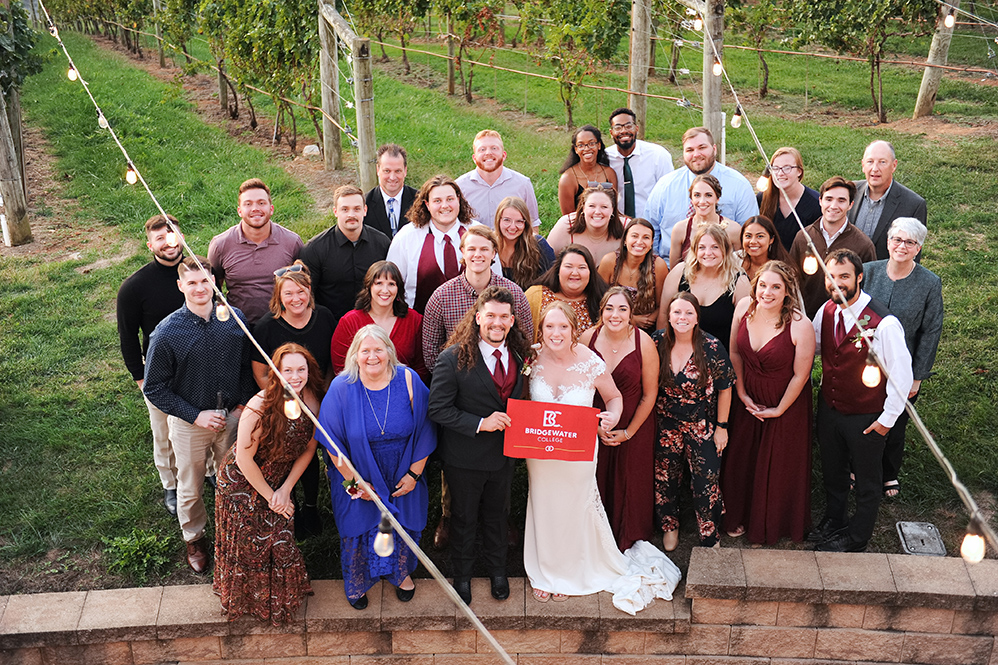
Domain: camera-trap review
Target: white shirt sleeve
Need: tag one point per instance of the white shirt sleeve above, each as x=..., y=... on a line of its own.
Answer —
x=889, y=345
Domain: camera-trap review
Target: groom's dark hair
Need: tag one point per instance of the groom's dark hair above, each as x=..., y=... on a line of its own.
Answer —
x=467, y=334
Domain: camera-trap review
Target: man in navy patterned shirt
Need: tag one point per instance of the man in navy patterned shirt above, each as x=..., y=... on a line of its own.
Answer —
x=198, y=373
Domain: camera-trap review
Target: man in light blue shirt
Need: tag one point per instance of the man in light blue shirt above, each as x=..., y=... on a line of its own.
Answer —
x=669, y=201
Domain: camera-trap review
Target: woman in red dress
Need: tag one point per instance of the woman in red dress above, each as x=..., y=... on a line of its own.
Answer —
x=624, y=469
x=766, y=476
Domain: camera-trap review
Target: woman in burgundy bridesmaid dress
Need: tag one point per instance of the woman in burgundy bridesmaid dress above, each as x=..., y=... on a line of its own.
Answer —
x=625, y=464
x=766, y=475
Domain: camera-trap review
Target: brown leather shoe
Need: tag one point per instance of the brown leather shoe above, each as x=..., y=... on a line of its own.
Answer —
x=442, y=535
x=197, y=556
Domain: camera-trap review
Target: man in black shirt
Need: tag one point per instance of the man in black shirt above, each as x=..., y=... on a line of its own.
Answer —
x=338, y=258
x=144, y=300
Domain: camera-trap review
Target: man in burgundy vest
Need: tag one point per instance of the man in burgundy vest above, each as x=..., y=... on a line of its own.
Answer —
x=854, y=416
x=472, y=382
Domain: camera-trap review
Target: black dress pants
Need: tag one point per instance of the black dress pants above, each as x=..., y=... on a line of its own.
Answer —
x=479, y=498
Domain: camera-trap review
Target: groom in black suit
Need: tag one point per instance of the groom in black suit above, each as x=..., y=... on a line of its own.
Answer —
x=472, y=381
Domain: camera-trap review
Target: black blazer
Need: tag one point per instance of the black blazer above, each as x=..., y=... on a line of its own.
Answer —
x=377, y=216
x=901, y=202
x=459, y=399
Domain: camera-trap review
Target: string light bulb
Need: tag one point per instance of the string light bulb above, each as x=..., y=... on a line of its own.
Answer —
x=222, y=312
x=131, y=175
x=102, y=121
x=697, y=24
x=73, y=74
x=292, y=410
x=871, y=373
x=950, y=20
x=384, y=542
x=762, y=184
x=810, y=264
x=171, y=238
x=718, y=67
x=736, y=119
x=973, y=547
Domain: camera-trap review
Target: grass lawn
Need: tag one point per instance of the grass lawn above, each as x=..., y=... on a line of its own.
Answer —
x=75, y=468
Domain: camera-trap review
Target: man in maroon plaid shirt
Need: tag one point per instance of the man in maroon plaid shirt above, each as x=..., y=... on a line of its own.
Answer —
x=449, y=303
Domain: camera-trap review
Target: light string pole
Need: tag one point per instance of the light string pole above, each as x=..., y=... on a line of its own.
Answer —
x=978, y=525
x=341, y=459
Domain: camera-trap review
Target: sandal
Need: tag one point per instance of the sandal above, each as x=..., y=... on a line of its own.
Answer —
x=891, y=489
x=541, y=596
x=670, y=540
x=737, y=533
x=559, y=597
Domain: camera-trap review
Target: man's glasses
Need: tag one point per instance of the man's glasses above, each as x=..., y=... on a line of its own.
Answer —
x=629, y=126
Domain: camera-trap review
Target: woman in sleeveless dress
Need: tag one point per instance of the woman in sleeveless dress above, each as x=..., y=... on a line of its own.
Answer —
x=712, y=275
x=259, y=570
x=705, y=191
x=766, y=477
x=636, y=267
x=624, y=468
x=587, y=166
x=568, y=547
x=597, y=225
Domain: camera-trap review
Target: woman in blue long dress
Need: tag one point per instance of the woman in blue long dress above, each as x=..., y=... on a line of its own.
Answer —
x=376, y=412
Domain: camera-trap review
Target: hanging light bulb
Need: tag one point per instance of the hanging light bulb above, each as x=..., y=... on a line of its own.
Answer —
x=762, y=184
x=384, y=542
x=73, y=74
x=292, y=410
x=102, y=121
x=974, y=546
x=950, y=20
x=871, y=373
x=171, y=238
x=718, y=67
x=697, y=24
x=131, y=175
x=222, y=312
x=736, y=119
x=810, y=264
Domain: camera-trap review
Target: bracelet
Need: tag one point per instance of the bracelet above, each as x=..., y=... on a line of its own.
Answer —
x=723, y=425
x=414, y=476
x=626, y=435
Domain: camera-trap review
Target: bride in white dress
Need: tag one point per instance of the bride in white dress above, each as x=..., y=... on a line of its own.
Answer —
x=568, y=547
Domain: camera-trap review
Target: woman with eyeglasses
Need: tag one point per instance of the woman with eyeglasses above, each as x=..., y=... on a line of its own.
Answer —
x=914, y=295
x=587, y=166
x=524, y=256
x=294, y=317
x=786, y=170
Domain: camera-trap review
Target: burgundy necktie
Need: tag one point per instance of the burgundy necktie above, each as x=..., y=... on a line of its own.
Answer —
x=840, y=329
x=451, y=269
x=499, y=375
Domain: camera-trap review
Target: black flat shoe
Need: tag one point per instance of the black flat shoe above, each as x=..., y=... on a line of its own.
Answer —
x=500, y=586
x=360, y=603
x=170, y=501
x=825, y=530
x=405, y=595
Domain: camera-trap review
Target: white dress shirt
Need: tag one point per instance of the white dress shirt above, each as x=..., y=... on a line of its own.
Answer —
x=649, y=162
x=407, y=245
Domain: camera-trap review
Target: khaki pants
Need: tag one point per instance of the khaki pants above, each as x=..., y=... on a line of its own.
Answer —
x=162, y=450
x=196, y=449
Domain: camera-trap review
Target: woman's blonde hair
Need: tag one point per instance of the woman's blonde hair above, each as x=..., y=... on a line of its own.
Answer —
x=730, y=270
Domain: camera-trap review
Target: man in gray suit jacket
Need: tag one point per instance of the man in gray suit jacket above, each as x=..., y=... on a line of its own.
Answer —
x=880, y=200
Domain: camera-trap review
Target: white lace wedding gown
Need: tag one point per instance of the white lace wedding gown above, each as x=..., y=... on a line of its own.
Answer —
x=568, y=546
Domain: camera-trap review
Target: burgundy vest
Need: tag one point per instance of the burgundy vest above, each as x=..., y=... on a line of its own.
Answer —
x=842, y=365
x=429, y=277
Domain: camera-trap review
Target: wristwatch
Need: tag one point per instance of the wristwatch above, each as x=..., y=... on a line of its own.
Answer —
x=415, y=476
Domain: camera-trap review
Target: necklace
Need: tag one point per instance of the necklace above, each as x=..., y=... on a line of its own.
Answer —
x=626, y=337
x=387, y=402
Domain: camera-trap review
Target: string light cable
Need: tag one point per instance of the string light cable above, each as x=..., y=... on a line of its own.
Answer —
x=223, y=312
x=345, y=129
x=978, y=524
